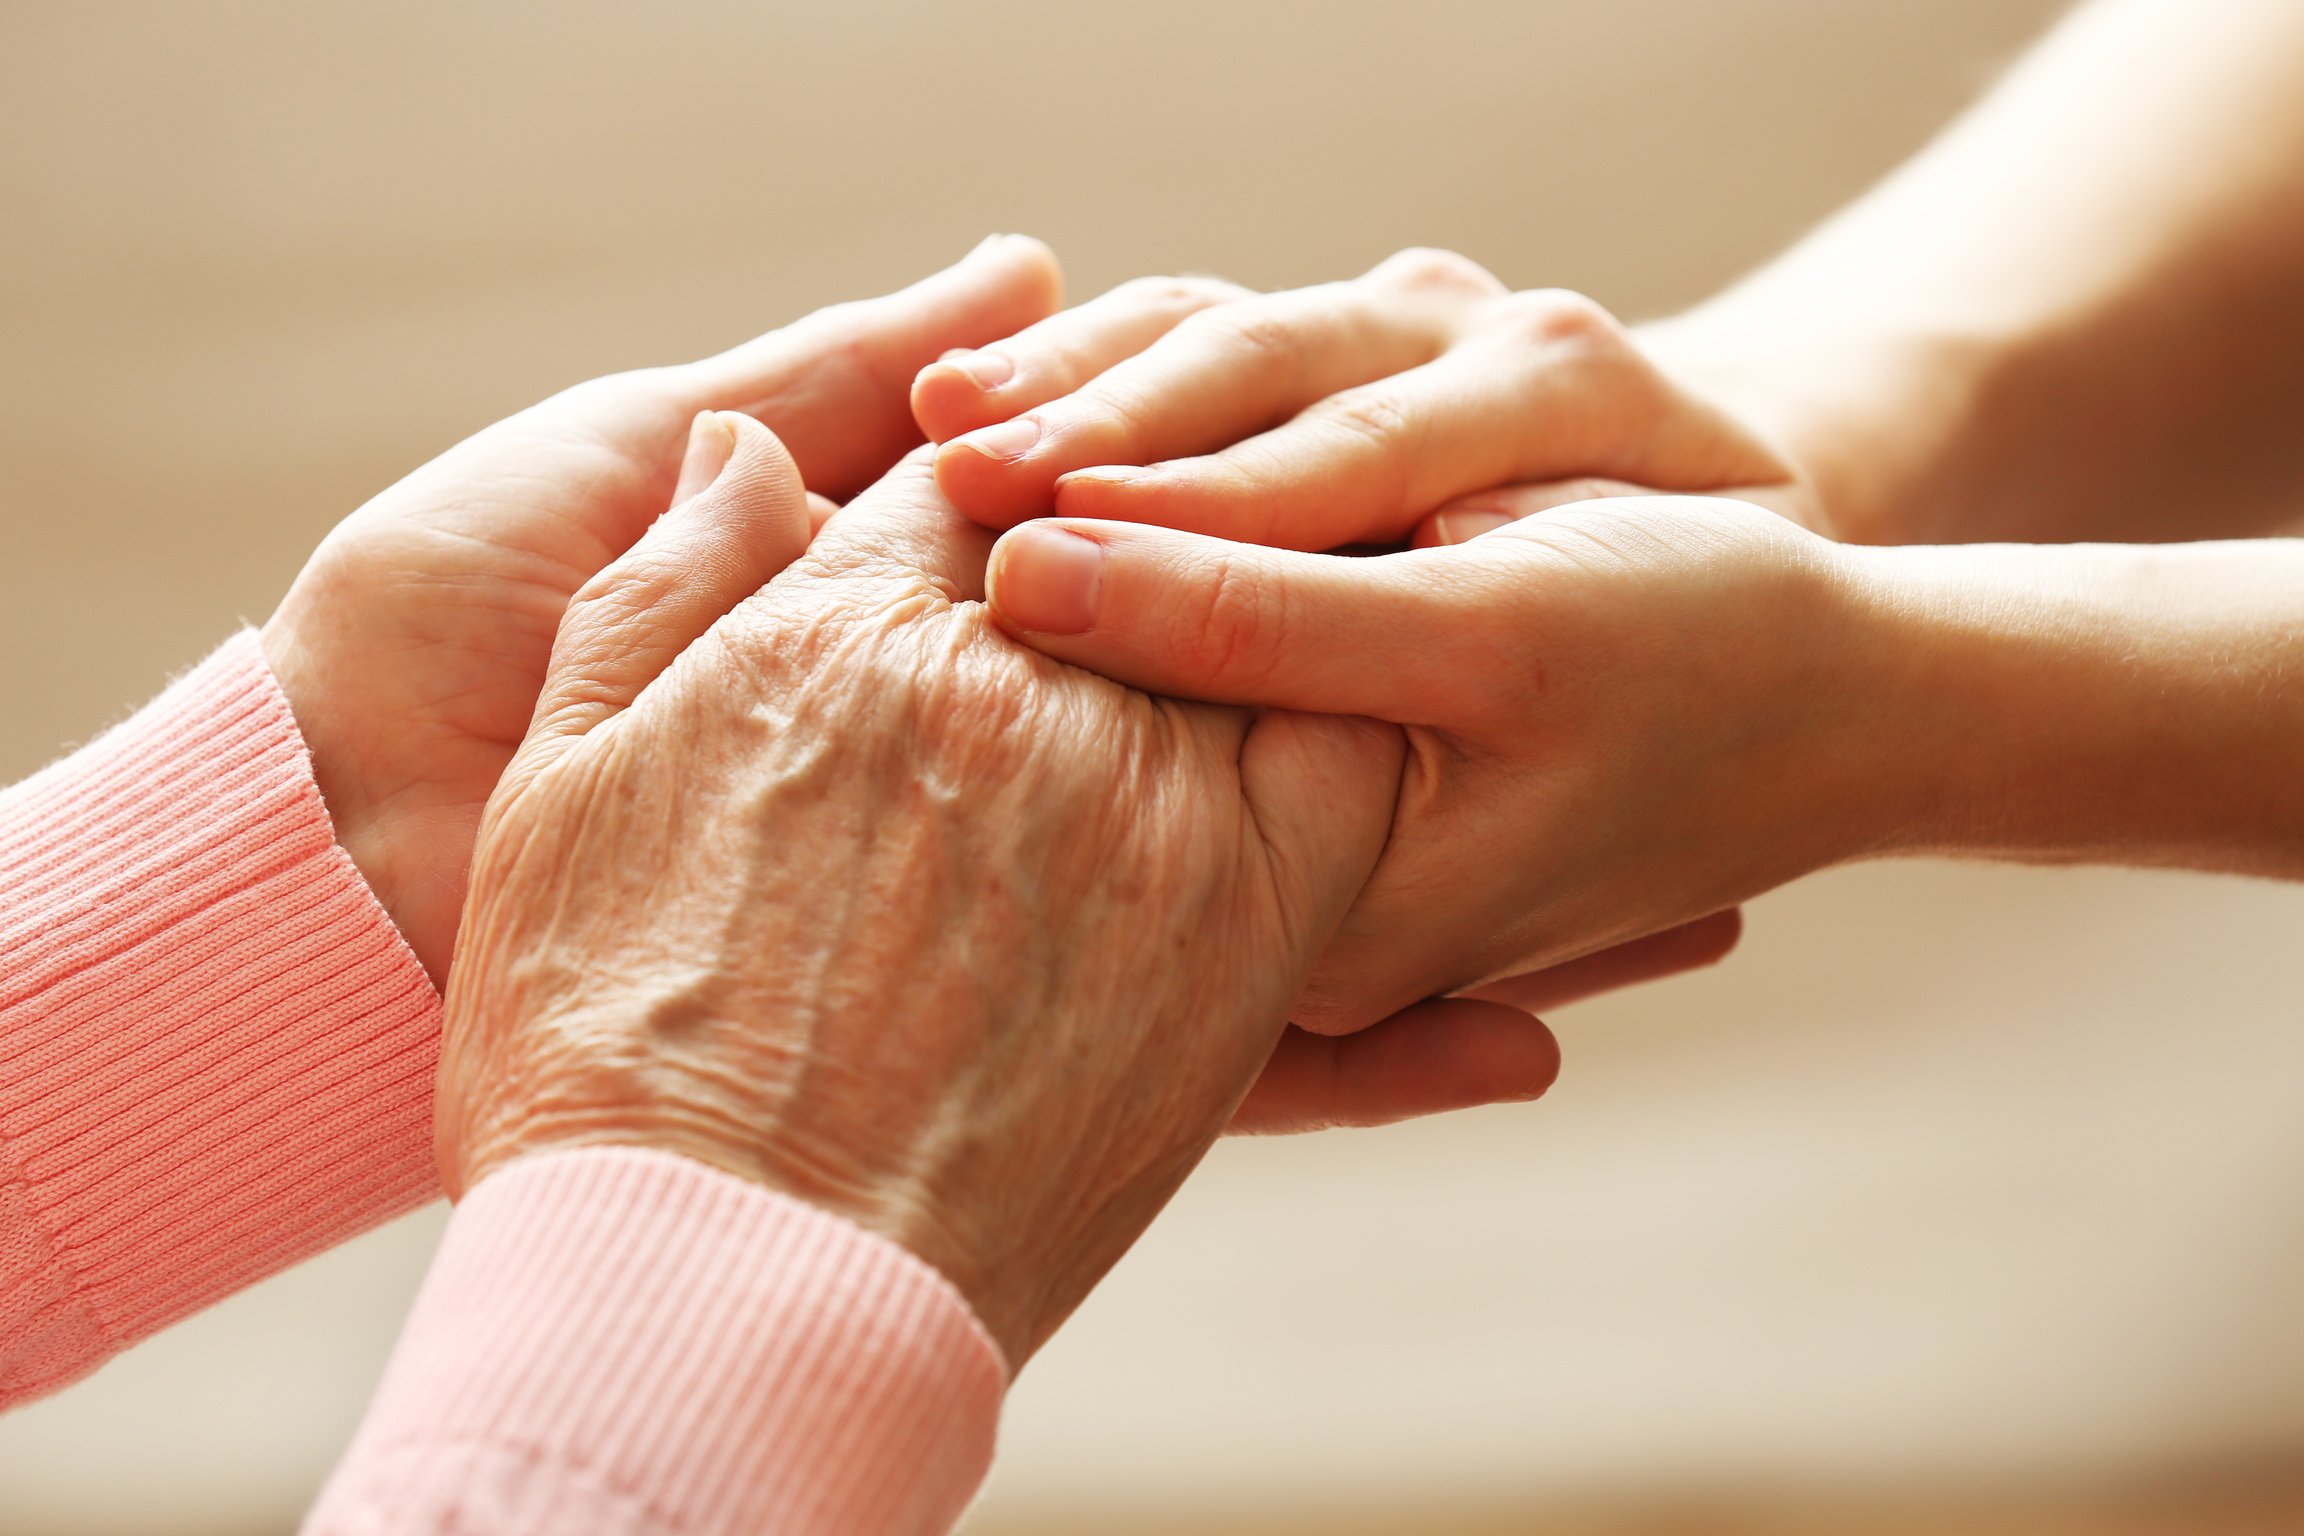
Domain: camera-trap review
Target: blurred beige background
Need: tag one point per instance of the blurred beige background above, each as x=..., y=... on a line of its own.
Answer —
x=1963, y=1199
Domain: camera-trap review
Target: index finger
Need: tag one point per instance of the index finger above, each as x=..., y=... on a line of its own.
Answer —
x=1219, y=376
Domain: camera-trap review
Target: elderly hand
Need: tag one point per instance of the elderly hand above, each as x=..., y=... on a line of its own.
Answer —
x=1343, y=414
x=412, y=645
x=834, y=886
x=1622, y=715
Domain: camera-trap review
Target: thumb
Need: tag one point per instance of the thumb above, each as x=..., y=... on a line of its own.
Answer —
x=1440, y=1055
x=740, y=515
x=1671, y=952
x=1205, y=618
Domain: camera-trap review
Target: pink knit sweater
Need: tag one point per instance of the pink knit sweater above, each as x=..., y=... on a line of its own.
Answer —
x=216, y=1058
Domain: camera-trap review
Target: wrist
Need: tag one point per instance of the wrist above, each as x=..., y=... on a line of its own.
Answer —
x=2099, y=703
x=421, y=902
x=573, y=1107
x=1871, y=417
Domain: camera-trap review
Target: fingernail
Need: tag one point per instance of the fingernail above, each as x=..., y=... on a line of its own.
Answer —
x=990, y=370
x=1102, y=474
x=1046, y=579
x=1463, y=527
x=1008, y=440
x=710, y=442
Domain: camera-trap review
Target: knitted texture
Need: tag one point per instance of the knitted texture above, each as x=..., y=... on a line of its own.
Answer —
x=216, y=1054
x=615, y=1340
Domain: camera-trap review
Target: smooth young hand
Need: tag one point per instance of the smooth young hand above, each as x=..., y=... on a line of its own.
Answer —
x=1347, y=413
x=1623, y=716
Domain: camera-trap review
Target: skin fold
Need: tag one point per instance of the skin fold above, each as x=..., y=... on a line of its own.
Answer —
x=829, y=883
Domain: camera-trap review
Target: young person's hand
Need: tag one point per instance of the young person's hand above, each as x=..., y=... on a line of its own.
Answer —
x=1341, y=414
x=1623, y=716
x=412, y=645
x=821, y=879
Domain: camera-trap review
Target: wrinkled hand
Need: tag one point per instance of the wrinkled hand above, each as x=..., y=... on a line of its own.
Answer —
x=413, y=642
x=836, y=887
x=1621, y=715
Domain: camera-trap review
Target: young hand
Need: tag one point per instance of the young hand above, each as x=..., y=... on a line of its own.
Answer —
x=1622, y=716
x=1340, y=414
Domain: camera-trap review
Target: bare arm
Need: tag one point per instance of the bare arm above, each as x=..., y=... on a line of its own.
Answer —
x=2078, y=314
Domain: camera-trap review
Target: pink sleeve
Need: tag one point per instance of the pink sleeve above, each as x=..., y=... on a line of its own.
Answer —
x=216, y=1054
x=618, y=1340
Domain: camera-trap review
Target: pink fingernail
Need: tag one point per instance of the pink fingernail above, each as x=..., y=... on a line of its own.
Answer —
x=1047, y=579
x=710, y=442
x=1103, y=474
x=990, y=370
x=1463, y=527
x=1008, y=440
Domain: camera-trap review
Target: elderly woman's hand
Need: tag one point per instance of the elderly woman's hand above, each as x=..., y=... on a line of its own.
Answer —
x=834, y=886
x=412, y=644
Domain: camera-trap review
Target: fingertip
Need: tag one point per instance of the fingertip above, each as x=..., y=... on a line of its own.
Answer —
x=757, y=461
x=1457, y=1053
x=982, y=474
x=1039, y=276
x=1045, y=579
x=711, y=441
x=1710, y=940
x=958, y=393
x=945, y=402
x=1112, y=493
x=1465, y=524
x=1433, y=1058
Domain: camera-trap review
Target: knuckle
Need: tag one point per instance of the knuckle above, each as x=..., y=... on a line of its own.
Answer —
x=1176, y=293
x=621, y=592
x=1376, y=414
x=1382, y=421
x=1236, y=624
x=1260, y=332
x=1122, y=406
x=1552, y=316
x=1428, y=267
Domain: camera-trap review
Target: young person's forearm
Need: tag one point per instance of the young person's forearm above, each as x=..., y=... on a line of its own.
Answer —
x=2079, y=314
x=2111, y=704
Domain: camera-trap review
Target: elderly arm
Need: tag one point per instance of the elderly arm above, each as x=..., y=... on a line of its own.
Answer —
x=216, y=1035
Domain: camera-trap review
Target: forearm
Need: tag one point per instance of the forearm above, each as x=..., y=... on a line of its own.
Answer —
x=2134, y=705
x=617, y=1338
x=216, y=1055
x=2079, y=314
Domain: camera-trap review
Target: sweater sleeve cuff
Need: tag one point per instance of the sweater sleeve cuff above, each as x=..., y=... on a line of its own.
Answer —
x=619, y=1339
x=216, y=1054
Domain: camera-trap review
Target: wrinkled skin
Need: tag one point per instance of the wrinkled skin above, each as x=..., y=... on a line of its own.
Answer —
x=412, y=644
x=834, y=886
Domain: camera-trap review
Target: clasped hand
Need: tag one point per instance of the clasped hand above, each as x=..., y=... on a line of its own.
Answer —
x=887, y=869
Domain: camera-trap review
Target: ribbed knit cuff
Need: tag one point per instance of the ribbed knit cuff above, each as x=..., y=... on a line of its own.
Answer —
x=216, y=1054
x=615, y=1339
